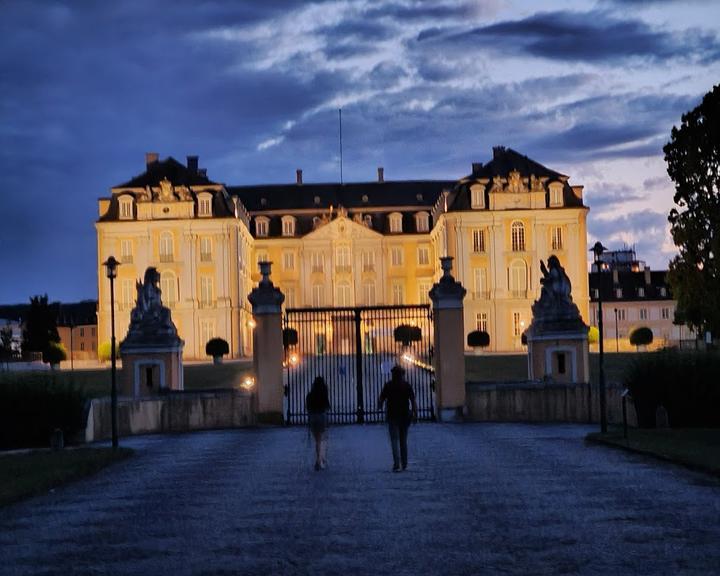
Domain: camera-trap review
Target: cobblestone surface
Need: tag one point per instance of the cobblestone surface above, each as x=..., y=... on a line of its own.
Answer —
x=476, y=499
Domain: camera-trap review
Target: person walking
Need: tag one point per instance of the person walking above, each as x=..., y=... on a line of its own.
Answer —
x=317, y=404
x=401, y=411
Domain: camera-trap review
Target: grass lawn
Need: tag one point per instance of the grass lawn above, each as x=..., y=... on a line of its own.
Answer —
x=96, y=383
x=694, y=447
x=28, y=474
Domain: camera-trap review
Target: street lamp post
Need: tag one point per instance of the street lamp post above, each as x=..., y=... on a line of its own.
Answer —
x=111, y=264
x=617, y=339
x=598, y=250
x=72, y=325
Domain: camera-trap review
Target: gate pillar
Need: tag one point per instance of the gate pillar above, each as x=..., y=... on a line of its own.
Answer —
x=266, y=301
x=449, y=355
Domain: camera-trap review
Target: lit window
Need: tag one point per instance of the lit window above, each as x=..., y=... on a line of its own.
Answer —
x=126, y=251
x=481, y=287
x=342, y=255
x=556, y=194
x=166, y=247
x=317, y=261
x=517, y=279
x=477, y=196
x=288, y=226
x=641, y=292
x=517, y=230
x=288, y=260
x=318, y=295
x=395, y=222
x=368, y=261
x=557, y=238
x=261, y=226
x=396, y=256
x=126, y=207
x=206, y=291
x=516, y=324
x=398, y=294
x=205, y=204
x=369, y=293
x=423, y=255
x=481, y=321
x=478, y=237
x=422, y=221
x=618, y=293
x=424, y=292
x=343, y=295
x=205, y=249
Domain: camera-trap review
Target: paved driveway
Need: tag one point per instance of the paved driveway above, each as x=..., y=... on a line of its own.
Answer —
x=476, y=499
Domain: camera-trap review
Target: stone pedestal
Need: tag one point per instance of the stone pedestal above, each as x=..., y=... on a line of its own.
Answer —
x=266, y=301
x=449, y=353
x=152, y=351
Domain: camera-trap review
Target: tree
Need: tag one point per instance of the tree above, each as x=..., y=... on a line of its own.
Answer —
x=642, y=336
x=593, y=335
x=478, y=339
x=6, y=351
x=217, y=348
x=693, y=164
x=39, y=328
x=54, y=354
x=104, y=351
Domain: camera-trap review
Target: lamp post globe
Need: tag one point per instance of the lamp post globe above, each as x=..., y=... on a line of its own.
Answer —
x=598, y=250
x=111, y=265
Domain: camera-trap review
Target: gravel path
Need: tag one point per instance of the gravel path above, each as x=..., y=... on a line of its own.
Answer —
x=476, y=499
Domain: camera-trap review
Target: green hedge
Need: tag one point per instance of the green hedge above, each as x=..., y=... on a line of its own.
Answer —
x=687, y=384
x=32, y=406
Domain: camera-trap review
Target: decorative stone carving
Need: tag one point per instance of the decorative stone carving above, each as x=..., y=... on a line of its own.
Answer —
x=536, y=184
x=515, y=183
x=166, y=193
x=555, y=307
x=497, y=184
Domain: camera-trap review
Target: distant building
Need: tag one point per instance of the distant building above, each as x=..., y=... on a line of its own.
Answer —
x=15, y=326
x=77, y=328
x=634, y=296
x=352, y=244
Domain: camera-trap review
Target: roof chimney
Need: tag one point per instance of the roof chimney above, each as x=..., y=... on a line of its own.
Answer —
x=298, y=176
x=192, y=163
x=476, y=167
x=498, y=151
x=381, y=174
x=202, y=172
x=151, y=158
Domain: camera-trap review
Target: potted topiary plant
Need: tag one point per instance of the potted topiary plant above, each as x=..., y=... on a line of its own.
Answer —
x=478, y=339
x=217, y=348
x=642, y=336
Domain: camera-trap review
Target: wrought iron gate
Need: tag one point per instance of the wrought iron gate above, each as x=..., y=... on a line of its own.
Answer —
x=354, y=350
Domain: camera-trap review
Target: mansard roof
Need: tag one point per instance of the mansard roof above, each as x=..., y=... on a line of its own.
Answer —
x=177, y=173
x=356, y=195
x=653, y=283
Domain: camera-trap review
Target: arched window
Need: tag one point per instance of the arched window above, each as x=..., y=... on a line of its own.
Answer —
x=395, y=220
x=262, y=226
x=517, y=279
x=168, y=286
x=422, y=222
x=288, y=226
x=517, y=231
x=166, y=247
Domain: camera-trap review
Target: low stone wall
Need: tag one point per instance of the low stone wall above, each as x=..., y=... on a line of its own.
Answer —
x=530, y=401
x=171, y=412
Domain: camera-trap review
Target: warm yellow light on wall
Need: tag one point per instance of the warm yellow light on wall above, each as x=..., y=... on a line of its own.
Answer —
x=251, y=323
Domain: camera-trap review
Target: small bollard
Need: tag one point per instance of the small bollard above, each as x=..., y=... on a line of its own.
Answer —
x=57, y=440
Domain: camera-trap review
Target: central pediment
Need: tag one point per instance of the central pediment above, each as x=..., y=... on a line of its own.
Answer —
x=340, y=228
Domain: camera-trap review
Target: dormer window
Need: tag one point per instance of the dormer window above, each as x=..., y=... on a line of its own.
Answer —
x=205, y=204
x=395, y=220
x=262, y=225
x=477, y=196
x=126, y=207
x=288, y=226
x=422, y=222
x=556, y=194
x=367, y=220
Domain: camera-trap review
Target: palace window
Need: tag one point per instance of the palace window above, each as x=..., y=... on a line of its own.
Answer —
x=481, y=321
x=343, y=295
x=517, y=279
x=166, y=247
x=422, y=222
x=477, y=196
x=342, y=256
x=395, y=220
x=481, y=286
x=207, y=330
x=205, y=204
x=126, y=207
x=621, y=314
x=318, y=295
x=396, y=256
x=398, y=294
x=368, y=261
x=206, y=291
x=126, y=251
x=290, y=296
x=127, y=294
x=517, y=231
x=168, y=288
x=663, y=291
x=369, y=293
x=424, y=288
x=205, y=249
x=618, y=293
x=478, y=238
x=262, y=226
x=665, y=313
x=317, y=261
x=641, y=292
x=262, y=256
x=423, y=255
x=288, y=226
x=517, y=324
x=643, y=314
x=556, y=194
x=557, y=238
x=288, y=260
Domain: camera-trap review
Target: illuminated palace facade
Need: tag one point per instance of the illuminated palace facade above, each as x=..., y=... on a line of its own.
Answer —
x=354, y=244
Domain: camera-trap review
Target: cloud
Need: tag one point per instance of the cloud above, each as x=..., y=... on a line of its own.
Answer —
x=647, y=230
x=594, y=36
x=270, y=143
x=603, y=197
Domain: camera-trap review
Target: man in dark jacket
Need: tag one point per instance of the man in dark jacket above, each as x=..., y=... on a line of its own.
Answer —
x=401, y=410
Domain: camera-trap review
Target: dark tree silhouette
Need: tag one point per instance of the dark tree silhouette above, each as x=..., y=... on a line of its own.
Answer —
x=693, y=163
x=641, y=336
x=39, y=328
x=217, y=348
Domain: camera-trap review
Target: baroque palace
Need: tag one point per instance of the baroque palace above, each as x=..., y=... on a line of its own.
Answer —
x=354, y=244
